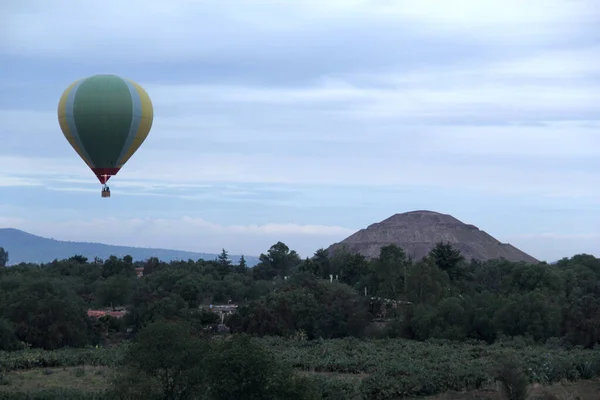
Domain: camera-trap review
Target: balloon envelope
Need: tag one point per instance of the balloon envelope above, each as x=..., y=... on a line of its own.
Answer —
x=105, y=118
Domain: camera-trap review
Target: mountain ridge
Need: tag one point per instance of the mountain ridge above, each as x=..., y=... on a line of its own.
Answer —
x=417, y=232
x=30, y=248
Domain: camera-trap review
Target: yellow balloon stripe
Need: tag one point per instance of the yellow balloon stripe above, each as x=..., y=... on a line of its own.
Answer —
x=63, y=121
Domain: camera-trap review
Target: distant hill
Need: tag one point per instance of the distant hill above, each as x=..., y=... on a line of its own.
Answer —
x=25, y=247
x=417, y=232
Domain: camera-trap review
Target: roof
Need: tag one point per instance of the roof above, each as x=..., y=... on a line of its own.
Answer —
x=103, y=313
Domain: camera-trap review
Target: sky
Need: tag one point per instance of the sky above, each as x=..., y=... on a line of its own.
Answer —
x=304, y=121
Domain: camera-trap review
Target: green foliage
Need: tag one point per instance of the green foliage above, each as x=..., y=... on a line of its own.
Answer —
x=279, y=261
x=449, y=298
x=437, y=366
x=37, y=358
x=513, y=382
x=332, y=388
x=47, y=314
x=53, y=394
x=8, y=339
x=114, y=290
x=3, y=257
x=390, y=272
x=425, y=367
x=465, y=317
x=241, y=368
x=169, y=360
x=305, y=303
x=171, y=355
x=133, y=384
x=386, y=385
x=448, y=259
x=349, y=267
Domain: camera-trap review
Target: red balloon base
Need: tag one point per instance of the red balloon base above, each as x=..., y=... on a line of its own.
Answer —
x=104, y=174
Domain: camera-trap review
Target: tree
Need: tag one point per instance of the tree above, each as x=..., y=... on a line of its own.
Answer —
x=116, y=266
x=530, y=314
x=350, y=267
x=49, y=315
x=322, y=263
x=305, y=303
x=390, y=271
x=425, y=282
x=46, y=304
x=224, y=263
x=240, y=368
x=3, y=257
x=242, y=265
x=447, y=258
x=114, y=291
x=170, y=356
x=79, y=259
x=8, y=340
x=151, y=265
x=279, y=261
x=223, y=258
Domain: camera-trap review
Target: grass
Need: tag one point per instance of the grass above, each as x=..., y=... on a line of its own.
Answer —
x=95, y=379
x=82, y=378
x=581, y=390
x=344, y=368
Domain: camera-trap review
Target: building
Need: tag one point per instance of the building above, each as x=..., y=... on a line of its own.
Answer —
x=102, y=313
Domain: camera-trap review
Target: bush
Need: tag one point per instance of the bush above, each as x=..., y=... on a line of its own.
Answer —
x=546, y=396
x=53, y=394
x=513, y=383
x=337, y=388
x=8, y=339
x=384, y=386
x=37, y=358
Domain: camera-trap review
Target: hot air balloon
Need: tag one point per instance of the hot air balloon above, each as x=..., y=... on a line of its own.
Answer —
x=106, y=119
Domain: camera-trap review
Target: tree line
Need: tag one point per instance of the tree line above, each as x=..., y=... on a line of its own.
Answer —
x=441, y=296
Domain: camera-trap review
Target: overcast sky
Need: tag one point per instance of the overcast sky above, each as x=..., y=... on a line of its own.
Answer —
x=304, y=121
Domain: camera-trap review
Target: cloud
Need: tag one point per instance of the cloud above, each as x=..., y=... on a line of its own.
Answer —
x=491, y=104
x=227, y=133
x=479, y=100
x=8, y=181
x=253, y=29
x=200, y=235
x=185, y=233
x=186, y=171
x=558, y=159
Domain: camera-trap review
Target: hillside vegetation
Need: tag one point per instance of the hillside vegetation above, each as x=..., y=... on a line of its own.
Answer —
x=304, y=329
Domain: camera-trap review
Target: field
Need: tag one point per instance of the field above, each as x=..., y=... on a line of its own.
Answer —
x=89, y=378
x=345, y=368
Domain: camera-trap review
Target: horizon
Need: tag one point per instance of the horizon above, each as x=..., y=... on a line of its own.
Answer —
x=249, y=257
x=304, y=123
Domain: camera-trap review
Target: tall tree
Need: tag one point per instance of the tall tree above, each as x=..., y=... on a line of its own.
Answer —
x=242, y=265
x=279, y=261
x=350, y=267
x=3, y=257
x=322, y=263
x=224, y=263
x=169, y=355
x=390, y=271
x=223, y=258
x=448, y=258
x=240, y=368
